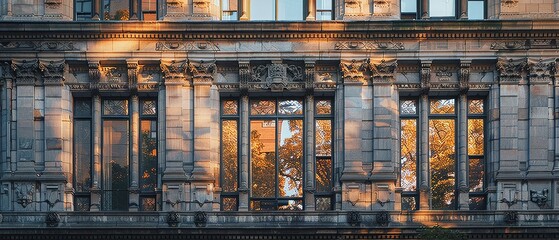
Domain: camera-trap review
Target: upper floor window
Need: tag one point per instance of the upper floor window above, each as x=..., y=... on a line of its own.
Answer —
x=275, y=10
x=84, y=9
x=119, y=10
x=324, y=10
x=414, y=9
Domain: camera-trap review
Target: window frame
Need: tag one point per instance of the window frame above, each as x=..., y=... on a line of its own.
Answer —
x=482, y=116
x=147, y=194
x=236, y=117
x=415, y=194
x=82, y=194
x=329, y=117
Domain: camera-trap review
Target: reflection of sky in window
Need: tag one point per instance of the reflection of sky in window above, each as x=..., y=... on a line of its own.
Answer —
x=290, y=10
x=441, y=8
x=409, y=6
x=262, y=10
x=475, y=10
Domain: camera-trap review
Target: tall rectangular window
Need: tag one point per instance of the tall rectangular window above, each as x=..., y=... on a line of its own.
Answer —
x=115, y=151
x=229, y=9
x=229, y=155
x=149, y=10
x=476, y=150
x=83, y=9
x=82, y=154
x=442, y=8
x=116, y=9
x=408, y=153
x=408, y=9
x=324, y=197
x=148, y=155
x=263, y=10
x=290, y=10
x=324, y=10
x=476, y=9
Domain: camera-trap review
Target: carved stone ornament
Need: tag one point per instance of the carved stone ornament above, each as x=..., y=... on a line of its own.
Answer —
x=354, y=70
x=173, y=71
x=173, y=219
x=464, y=76
x=174, y=3
x=24, y=193
x=382, y=7
x=383, y=218
x=202, y=71
x=53, y=70
x=509, y=45
x=353, y=8
x=353, y=218
x=509, y=3
x=26, y=71
x=425, y=76
x=201, y=7
x=94, y=72
x=510, y=70
x=277, y=76
x=383, y=70
x=369, y=45
x=200, y=219
x=540, y=71
x=511, y=217
x=38, y=45
x=113, y=74
x=539, y=197
x=53, y=4
x=443, y=74
x=186, y=46
x=52, y=219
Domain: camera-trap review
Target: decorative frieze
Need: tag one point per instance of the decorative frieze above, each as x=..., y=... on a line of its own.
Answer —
x=53, y=71
x=38, y=46
x=353, y=70
x=275, y=76
x=25, y=71
x=369, y=45
x=510, y=70
x=383, y=70
x=540, y=71
x=309, y=75
x=173, y=71
x=509, y=45
x=186, y=46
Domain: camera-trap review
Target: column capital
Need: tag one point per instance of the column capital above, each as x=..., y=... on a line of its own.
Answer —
x=510, y=70
x=53, y=71
x=25, y=71
x=174, y=71
x=353, y=71
x=540, y=70
x=202, y=71
x=383, y=70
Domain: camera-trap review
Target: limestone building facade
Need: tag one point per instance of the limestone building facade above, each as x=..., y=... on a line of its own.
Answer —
x=289, y=118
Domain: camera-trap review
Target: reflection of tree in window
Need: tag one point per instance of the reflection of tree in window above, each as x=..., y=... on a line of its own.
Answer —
x=408, y=158
x=263, y=183
x=441, y=162
x=290, y=160
x=148, y=176
x=229, y=144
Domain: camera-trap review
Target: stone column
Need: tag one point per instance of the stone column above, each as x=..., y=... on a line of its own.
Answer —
x=97, y=13
x=309, y=152
x=353, y=176
x=203, y=174
x=508, y=175
x=463, y=9
x=134, y=197
x=424, y=176
x=244, y=10
x=53, y=175
x=135, y=10
x=385, y=122
x=174, y=176
x=424, y=9
x=244, y=186
x=463, y=184
x=311, y=14
x=96, y=176
x=7, y=164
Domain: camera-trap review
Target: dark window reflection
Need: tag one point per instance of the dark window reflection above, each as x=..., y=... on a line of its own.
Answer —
x=83, y=9
x=115, y=165
x=82, y=155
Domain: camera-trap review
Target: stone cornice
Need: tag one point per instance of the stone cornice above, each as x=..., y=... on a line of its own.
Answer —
x=494, y=29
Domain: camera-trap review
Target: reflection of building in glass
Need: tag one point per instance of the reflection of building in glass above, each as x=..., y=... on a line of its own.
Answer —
x=265, y=119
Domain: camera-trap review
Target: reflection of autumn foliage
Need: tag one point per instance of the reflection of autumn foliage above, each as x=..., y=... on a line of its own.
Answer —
x=290, y=161
x=441, y=160
x=323, y=150
x=408, y=154
x=263, y=175
x=229, y=155
x=148, y=177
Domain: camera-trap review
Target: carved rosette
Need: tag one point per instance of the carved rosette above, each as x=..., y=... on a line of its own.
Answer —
x=383, y=70
x=25, y=71
x=202, y=71
x=540, y=71
x=425, y=76
x=464, y=76
x=53, y=71
x=174, y=71
x=353, y=70
x=510, y=70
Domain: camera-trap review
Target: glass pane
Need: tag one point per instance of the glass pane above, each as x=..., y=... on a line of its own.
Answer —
x=324, y=175
x=229, y=107
x=82, y=108
x=115, y=165
x=149, y=16
x=475, y=106
x=323, y=15
x=409, y=6
x=149, y=107
x=229, y=155
x=81, y=204
x=475, y=137
x=83, y=6
x=116, y=9
x=290, y=205
x=115, y=107
x=82, y=155
x=229, y=203
x=148, y=158
x=262, y=10
x=149, y=5
x=323, y=107
x=263, y=205
x=477, y=174
x=477, y=203
x=441, y=8
x=262, y=107
x=323, y=203
x=263, y=155
x=409, y=203
x=229, y=16
x=408, y=107
x=442, y=106
x=476, y=10
x=324, y=4
x=408, y=151
x=290, y=10
x=441, y=161
x=229, y=5
x=148, y=204
x=323, y=138
x=290, y=107
x=290, y=164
